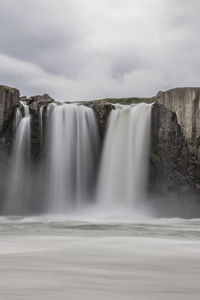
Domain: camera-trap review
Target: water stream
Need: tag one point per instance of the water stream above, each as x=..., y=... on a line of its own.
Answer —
x=17, y=200
x=123, y=170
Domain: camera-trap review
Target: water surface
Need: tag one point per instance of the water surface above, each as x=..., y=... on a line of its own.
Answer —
x=65, y=258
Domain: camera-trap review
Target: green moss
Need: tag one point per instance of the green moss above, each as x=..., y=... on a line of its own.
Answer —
x=128, y=101
x=155, y=159
x=9, y=89
x=198, y=142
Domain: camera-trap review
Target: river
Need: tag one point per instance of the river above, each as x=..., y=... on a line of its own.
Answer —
x=48, y=257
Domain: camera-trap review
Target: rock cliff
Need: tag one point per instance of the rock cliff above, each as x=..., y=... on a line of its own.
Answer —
x=9, y=98
x=176, y=141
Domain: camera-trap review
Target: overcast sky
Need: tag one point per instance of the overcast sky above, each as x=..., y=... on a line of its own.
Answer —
x=93, y=49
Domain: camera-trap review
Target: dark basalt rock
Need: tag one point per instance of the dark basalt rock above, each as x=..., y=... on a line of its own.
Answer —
x=9, y=98
x=176, y=140
x=102, y=110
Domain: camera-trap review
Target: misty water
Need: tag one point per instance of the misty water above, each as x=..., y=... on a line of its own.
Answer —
x=50, y=257
x=93, y=236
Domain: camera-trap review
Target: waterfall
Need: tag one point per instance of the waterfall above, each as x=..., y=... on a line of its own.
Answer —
x=18, y=183
x=41, y=121
x=68, y=175
x=122, y=177
x=25, y=108
x=17, y=119
x=71, y=157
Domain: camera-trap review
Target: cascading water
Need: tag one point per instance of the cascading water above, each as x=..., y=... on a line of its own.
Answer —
x=65, y=178
x=17, y=119
x=16, y=201
x=72, y=157
x=123, y=168
x=41, y=121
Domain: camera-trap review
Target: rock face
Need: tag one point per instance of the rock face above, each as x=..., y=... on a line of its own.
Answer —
x=9, y=98
x=175, y=150
x=102, y=111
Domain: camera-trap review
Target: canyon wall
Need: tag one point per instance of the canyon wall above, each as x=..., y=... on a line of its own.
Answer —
x=175, y=149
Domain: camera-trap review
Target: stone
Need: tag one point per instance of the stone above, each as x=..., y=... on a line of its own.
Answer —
x=102, y=110
x=176, y=139
x=9, y=98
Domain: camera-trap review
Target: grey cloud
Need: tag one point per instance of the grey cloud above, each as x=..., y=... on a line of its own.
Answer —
x=95, y=49
x=123, y=65
x=32, y=33
x=183, y=15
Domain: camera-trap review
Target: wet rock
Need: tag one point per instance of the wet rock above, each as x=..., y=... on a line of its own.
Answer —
x=102, y=110
x=35, y=102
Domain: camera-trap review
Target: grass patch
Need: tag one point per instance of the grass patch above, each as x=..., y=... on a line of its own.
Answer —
x=128, y=101
x=9, y=89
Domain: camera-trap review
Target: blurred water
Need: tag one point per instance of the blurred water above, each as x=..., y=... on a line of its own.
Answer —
x=124, y=162
x=77, y=225
x=50, y=257
x=19, y=169
x=71, y=158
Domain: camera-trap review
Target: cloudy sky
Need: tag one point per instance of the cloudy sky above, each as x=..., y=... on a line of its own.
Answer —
x=93, y=49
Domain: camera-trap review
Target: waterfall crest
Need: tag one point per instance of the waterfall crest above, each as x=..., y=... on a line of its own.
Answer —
x=123, y=169
x=72, y=157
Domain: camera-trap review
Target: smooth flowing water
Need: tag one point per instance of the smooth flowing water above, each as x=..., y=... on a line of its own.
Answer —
x=124, y=164
x=41, y=122
x=48, y=257
x=17, y=200
x=18, y=117
x=72, y=157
